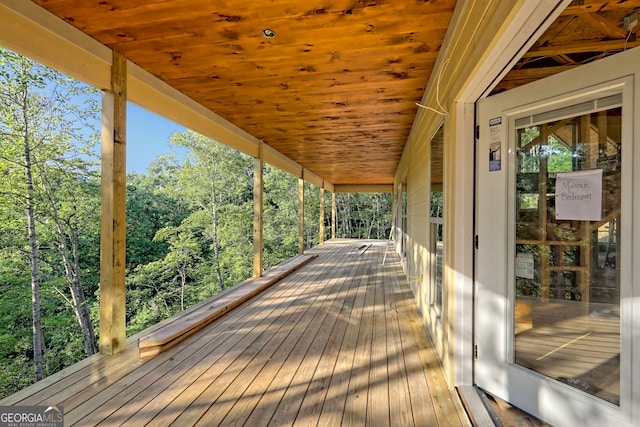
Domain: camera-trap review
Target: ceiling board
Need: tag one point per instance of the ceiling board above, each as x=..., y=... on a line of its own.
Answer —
x=336, y=89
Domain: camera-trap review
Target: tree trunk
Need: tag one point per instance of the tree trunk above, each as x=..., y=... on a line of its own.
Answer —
x=33, y=245
x=67, y=236
x=80, y=307
x=214, y=235
x=182, y=272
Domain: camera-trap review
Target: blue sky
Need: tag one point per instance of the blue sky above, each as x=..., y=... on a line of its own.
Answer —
x=148, y=137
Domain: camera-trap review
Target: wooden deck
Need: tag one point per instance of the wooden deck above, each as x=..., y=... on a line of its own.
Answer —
x=338, y=342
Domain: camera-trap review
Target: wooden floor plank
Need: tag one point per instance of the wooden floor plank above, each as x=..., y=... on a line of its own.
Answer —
x=182, y=363
x=338, y=342
x=355, y=411
x=315, y=396
x=68, y=382
x=400, y=414
x=194, y=397
x=333, y=407
x=422, y=406
x=441, y=398
x=145, y=390
x=273, y=356
x=378, y=396
x=157, y=373
x=282, y=399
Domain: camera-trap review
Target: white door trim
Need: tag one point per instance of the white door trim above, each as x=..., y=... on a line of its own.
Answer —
x=551, y=400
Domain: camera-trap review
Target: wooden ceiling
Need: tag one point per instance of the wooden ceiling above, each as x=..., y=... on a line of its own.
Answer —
x=587, y=30
x=336, y=88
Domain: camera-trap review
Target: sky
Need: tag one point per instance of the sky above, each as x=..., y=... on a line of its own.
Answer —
x=148, y=137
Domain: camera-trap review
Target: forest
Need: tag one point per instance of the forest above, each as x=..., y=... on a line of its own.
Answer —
x=189, y=223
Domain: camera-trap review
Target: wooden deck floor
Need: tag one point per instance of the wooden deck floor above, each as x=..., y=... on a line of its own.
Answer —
x=338, y=342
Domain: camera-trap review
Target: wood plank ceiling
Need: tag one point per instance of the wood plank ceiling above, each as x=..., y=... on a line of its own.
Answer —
x=336, y=88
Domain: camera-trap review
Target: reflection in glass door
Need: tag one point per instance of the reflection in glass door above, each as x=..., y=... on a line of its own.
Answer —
x=567, y=281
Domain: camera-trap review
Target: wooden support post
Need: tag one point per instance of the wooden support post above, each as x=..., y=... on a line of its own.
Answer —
x=301, y=215
x=321, y=240
x=603, y=133
x=333, y=215
x=113, y=220
x=258, y=189
x=545, y=252
x=589, y=162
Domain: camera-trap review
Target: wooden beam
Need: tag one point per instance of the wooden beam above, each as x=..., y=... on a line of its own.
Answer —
x=258, y=191
x=607, y=26
x=113, y=220
x=372, y=188
x=321, y=215
x=582, y=47
x=312, y=178
x=333, y=215
x=29, y=30
x=280, y=161
x=301, y=215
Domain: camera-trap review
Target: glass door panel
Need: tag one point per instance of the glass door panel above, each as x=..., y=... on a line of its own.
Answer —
x=567, y=277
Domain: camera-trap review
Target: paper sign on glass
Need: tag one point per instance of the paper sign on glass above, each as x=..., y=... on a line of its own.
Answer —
x=495, y=144
x=579, y=195
x=525, y=265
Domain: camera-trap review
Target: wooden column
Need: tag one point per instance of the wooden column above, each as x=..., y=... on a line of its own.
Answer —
x=545, y=249
x=113, y=219
x=321, y=240
x=301, y=215
x=333, y=215
x=589, y=162
x=258, y=188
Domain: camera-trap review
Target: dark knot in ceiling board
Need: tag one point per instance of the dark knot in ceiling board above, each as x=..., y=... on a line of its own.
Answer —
x=400, y=75
x=307, y=68
x=229, y=18
x=422, y=48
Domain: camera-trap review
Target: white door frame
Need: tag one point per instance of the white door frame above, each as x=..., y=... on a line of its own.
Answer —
x=555, y=402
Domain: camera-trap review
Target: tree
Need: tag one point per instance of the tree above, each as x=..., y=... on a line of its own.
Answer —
x=280, y=216
x=217, y=182
x=40, y=127
x=153, y=202
x=364, y=215
x=68, y=202
x=311, y=215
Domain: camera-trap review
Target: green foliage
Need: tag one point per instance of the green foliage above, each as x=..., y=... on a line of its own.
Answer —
x=281, y=216
x=45, y=163
x=364, y=215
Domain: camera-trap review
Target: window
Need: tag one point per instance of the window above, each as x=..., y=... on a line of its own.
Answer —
x=436, y=222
